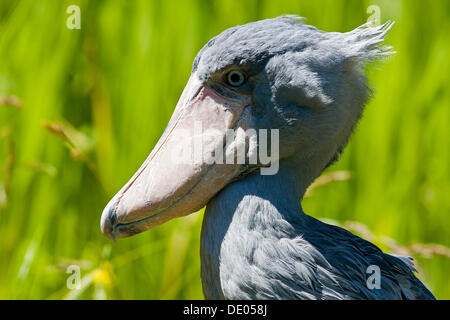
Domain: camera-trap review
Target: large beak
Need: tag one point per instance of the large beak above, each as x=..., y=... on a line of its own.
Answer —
x=180, y=175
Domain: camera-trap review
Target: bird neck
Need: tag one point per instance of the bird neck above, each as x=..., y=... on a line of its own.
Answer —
x=246, y=212
x=282, y=193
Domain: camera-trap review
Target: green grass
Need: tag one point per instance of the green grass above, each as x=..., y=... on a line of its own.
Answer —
x=94, y=102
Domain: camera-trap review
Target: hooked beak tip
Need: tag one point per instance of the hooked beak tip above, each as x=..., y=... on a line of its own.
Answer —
x=108, y=221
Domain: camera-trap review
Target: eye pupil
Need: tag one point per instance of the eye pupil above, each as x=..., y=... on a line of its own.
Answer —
x=235, y=78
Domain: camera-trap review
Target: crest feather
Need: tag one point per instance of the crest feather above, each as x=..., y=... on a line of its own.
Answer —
x=363, y=43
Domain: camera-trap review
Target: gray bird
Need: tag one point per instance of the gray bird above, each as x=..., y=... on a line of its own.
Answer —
x=307, y=88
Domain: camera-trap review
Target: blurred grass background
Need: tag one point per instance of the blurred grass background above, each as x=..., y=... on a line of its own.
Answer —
x=81, y=109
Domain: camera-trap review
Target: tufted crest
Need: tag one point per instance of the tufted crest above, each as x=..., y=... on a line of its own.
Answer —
x=255, y=43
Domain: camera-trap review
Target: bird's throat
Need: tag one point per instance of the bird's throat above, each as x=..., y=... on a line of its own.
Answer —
x=245, y=212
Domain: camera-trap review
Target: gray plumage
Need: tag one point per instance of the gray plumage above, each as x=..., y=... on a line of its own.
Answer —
x=256, y=241
x=257, y=245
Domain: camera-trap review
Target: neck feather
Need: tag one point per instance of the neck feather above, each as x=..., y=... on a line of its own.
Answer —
x=247, y=211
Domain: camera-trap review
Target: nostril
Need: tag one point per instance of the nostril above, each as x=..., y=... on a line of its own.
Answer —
x=108, y=220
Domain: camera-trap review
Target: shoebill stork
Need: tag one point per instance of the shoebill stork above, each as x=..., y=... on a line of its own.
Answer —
x=256, y=241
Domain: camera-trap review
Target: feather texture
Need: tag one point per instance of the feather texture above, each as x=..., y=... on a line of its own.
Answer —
x=257, y=245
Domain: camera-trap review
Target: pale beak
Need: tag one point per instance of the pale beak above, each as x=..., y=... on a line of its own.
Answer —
x=179, y=176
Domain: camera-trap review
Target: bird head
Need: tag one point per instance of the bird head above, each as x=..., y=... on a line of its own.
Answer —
x=278, y=75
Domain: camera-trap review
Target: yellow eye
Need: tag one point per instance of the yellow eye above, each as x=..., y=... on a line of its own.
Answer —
x=235, y=78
